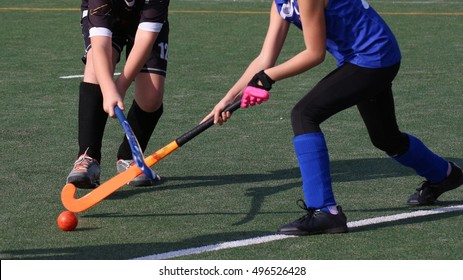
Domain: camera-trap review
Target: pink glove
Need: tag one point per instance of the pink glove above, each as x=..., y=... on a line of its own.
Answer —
x=253, y=95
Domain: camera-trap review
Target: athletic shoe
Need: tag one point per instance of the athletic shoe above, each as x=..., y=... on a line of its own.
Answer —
x=316, y=222
x=85, y=174
x=429, y=192
x=140, y=180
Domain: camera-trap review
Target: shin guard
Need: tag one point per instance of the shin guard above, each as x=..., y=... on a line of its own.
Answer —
x=424, y=161
x=143, y=124
x=92, y=120
x=312, y=155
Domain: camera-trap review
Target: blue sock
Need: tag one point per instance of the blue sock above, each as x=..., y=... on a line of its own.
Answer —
x=423, y=161
x=312, y=155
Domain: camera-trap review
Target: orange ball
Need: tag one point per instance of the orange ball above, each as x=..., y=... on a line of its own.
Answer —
x=67, y=221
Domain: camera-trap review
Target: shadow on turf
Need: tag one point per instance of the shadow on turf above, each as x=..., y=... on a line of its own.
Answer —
x=407, y=208
x=341, y=171
x=410, y=221
x=134, y=250
x=126, y=251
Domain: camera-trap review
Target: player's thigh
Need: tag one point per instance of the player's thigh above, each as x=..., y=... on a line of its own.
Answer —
x=89, y=72
x=149, y=83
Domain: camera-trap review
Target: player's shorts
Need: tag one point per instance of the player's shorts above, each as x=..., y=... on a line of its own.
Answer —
x=156, y=63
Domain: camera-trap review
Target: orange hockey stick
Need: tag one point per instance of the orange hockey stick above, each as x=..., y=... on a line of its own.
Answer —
x=89, y=200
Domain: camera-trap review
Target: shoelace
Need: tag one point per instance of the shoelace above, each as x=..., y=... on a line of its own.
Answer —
x=303, y=206
x=424, y=185
x=82, y=162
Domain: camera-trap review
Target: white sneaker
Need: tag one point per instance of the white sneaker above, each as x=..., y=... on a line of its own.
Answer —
x=85, y=174
x=140, y=180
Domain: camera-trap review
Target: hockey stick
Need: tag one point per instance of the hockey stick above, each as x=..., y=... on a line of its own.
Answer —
x=89, y=200
x=137, y=153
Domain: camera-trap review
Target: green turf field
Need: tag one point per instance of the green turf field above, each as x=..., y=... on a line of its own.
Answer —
x=236, y=181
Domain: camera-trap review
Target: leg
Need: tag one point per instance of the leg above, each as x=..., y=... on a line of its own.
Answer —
x=92, y=118
x=341, y=89
x=379, y=117
x=145, y=112
x=378, y=114
x=91, y=124
x=147, y=107
x=148, y=93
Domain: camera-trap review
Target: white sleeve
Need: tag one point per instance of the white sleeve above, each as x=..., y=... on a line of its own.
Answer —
x=150, y=26
x=100, y=31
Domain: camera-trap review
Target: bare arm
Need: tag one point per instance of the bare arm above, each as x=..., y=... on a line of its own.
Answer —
x=114, y=92
x=140, y=52
x=104, y=69
x=312, y=13
x=271, y=48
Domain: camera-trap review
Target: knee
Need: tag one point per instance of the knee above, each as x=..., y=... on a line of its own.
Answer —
x=303, y=121
x=150, y=102
x=393, y=145
x=141, y=110
x=149, y=91
x=297, y=113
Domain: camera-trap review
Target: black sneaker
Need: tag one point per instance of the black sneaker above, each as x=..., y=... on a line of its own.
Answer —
x=429, y=192
x=316, y=222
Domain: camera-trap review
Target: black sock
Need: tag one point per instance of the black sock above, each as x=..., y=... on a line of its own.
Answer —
x=143, y=124
x=92, y=120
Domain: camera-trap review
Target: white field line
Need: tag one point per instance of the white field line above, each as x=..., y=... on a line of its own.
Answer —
x=274, y=237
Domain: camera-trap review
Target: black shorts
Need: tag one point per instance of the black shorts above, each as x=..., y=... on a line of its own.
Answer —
x=347, y=86
x=121, y=37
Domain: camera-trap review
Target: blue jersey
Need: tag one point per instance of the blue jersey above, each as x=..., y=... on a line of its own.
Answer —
x=355, y=33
